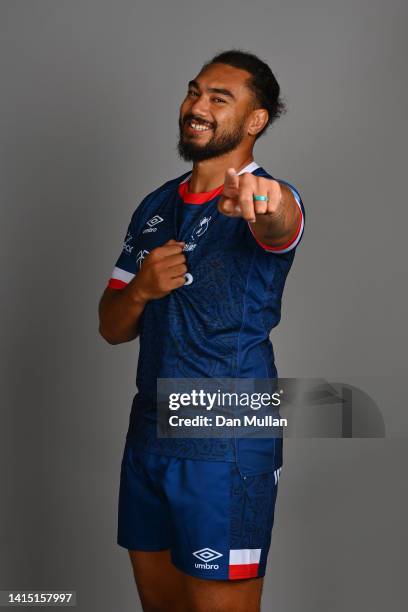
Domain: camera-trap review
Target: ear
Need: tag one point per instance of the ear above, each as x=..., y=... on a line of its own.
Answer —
x=257, y=121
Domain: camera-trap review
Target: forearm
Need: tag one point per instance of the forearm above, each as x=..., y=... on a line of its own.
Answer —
x=119, y=313
x=276, y=228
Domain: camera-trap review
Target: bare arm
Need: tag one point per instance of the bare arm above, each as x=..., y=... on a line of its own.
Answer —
x=120, y=309
x=277, y=227
x=119, y=313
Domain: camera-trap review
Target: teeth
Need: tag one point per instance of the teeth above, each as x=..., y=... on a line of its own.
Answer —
x=199, y=127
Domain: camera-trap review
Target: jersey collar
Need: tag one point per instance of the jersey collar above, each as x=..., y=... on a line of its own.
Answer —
x=206, y=196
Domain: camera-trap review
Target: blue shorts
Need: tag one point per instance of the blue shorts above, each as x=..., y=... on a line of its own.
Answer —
x=216, y=522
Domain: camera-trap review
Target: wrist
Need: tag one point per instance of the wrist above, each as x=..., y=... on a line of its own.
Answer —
x=137, y=294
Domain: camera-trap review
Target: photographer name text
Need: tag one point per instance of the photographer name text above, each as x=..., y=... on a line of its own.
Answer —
x=222, y=421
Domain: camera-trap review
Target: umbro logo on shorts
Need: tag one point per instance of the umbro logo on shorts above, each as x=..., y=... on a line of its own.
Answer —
x=205, y=555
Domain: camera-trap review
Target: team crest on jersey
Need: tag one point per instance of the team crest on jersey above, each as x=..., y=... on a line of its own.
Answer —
x=140, y=257
x=201, y=228
x=126, y=244
x=152, y=223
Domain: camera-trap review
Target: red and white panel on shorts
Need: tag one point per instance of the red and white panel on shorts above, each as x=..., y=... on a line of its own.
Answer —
x=244, y=563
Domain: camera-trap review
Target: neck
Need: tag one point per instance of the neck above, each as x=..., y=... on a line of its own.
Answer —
x=210, y=173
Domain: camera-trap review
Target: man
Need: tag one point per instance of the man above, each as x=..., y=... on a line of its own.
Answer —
x=200, y=280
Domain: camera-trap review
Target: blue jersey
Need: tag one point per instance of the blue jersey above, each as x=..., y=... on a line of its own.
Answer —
x=218, y=323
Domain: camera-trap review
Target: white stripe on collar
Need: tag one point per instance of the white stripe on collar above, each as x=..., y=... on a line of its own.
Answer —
x=248, y=168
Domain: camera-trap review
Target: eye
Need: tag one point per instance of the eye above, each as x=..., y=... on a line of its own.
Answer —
x=192, y=92
x=218, y=100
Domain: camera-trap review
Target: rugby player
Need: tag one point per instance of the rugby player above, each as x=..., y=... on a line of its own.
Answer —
x=200, y=281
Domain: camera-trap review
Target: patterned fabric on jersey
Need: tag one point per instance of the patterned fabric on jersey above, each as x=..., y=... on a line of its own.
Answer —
x=218, y=323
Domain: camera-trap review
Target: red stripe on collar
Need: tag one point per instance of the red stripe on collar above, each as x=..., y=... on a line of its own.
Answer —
x=197, y=198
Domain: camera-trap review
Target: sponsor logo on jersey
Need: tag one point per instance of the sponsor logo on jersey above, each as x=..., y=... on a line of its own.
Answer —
x=189, y=246
x=205, y=555
x=140, y=257
x=126, y=244
x=151, y=223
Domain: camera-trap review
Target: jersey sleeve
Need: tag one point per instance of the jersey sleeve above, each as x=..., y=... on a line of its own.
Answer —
x=298, y=233
x=130, y=260
x=126, y=265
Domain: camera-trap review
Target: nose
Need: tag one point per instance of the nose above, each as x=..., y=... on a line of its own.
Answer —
x=200, y=107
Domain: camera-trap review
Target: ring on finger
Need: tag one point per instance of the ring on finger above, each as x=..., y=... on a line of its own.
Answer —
x=260, y=198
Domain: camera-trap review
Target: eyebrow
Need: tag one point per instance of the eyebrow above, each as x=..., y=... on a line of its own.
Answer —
x=219, y=90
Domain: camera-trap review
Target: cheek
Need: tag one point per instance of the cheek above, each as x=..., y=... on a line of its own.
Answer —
x=229, y=123
x=183, y=108
x=182, y=111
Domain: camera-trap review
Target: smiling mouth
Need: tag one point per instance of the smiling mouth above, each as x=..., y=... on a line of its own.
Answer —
x=198, y=126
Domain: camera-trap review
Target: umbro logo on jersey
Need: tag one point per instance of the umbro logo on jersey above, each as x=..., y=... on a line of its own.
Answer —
x=205, y=555
x=154, y=220
x=140, y=257
x=151, y=223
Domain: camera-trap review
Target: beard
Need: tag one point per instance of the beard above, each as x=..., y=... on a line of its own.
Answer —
x=215, y=147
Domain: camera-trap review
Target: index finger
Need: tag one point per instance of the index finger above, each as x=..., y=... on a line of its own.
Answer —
x=231, y=183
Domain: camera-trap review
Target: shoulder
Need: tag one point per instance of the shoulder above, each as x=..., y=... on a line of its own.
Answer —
x=153, y=199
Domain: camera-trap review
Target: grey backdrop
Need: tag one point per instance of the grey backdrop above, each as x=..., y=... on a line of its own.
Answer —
x=89, y=101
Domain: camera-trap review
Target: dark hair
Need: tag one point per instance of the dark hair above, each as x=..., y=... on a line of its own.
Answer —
x=262, y=82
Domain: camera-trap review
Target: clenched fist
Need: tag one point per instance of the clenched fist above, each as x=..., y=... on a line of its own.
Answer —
x=162, y=271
